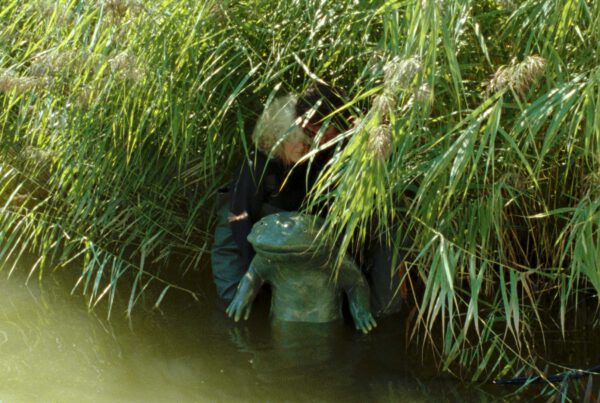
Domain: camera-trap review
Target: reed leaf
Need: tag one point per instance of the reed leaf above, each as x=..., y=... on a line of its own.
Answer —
x=478, y=145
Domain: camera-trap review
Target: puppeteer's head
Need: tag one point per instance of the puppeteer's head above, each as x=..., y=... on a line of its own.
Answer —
x=323, y=112
x=278, y=132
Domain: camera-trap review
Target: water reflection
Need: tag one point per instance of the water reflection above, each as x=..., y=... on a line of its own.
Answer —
x=53, y=349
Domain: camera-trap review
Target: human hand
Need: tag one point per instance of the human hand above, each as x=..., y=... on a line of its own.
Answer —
x=363, y=319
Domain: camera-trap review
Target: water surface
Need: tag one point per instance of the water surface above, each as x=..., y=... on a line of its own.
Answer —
x=53, y=349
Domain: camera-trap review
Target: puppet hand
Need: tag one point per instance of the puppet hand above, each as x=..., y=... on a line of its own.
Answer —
x=242, y=301
x=240, y=306
x=363, y=319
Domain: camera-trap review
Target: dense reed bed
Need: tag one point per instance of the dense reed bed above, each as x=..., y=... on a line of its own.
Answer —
x=478, y=138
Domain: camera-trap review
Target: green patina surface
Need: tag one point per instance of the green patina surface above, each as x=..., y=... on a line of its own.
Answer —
x=288, y=236
x=290, y=257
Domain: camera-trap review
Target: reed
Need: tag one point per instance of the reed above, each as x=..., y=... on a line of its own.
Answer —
x=479, y=139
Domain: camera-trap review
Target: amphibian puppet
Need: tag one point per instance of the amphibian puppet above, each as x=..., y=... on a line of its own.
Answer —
x=299, y=269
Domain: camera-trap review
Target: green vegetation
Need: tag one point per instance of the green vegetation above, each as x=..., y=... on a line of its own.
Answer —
x=121, y=118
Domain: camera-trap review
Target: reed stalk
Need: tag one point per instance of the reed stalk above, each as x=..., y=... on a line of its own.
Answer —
x=479, y=142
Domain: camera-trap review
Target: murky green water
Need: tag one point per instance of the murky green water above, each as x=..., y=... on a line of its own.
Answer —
x=52, y=349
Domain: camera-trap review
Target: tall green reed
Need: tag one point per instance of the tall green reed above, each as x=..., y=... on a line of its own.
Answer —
x=478, y=144
x=496, y=131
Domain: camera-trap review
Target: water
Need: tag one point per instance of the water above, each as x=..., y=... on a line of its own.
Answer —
x=53, y=349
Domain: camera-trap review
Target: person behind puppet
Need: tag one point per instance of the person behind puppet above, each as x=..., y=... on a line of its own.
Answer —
x=270, y=181
x=256, y=191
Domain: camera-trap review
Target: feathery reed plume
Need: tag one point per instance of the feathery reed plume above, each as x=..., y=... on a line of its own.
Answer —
x=36, y=154
x=125, y=65
x=10, y=81
x=384, y=103
x=380, y=142
x=488, y=185
x=517, y=76
x=399, y=74
x=422, y=94
x=527, y=72
x=55, y=63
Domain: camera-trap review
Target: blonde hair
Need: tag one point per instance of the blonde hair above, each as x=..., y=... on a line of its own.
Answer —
x=278, y=123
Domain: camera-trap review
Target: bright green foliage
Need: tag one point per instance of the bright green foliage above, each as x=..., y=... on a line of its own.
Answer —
x=479, y=140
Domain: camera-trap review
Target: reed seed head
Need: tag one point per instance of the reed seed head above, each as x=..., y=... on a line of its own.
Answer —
x=10, y=81
x=529, y=71
x=50, y=64
x=422, y=94
x=125, y=65
x=384, y=103
x=36, y=154
x=122, y=61
x=56, y=63
x=380, y=142
x=518, y=76
x=399, y=74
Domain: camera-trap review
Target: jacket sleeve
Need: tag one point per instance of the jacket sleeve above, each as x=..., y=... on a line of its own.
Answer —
x=245, y=201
